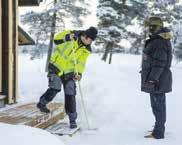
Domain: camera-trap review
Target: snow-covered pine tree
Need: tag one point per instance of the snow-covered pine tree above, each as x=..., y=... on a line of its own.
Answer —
x=177, y=43
x=42, y=25
x=178, y=52
x=109, y=33
x=168, y=10
x=115, y=16
x=120, y=14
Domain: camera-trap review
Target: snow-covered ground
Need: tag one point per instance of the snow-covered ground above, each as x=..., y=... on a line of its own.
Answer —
x=113, y=99
x=25, y=135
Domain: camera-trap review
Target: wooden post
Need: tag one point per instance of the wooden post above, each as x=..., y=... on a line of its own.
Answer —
x=9, y=50
x=15, y=43
x=0, y=47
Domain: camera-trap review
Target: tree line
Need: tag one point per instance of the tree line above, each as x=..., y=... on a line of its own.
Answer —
x=116, y=18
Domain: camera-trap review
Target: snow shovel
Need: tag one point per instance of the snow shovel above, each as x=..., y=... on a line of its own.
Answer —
x=81, y=93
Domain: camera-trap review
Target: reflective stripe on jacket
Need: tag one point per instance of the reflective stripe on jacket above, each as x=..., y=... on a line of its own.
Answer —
x=69, y=56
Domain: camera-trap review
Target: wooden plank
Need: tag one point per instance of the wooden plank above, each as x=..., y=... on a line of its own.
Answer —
x=29, y=115
x=29, y=2
x=0, y=47
x=24, y=38
x=49, y=120
x=62, y=128
x=19, y=114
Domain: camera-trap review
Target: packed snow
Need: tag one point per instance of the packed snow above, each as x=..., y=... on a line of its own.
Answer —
x=25, y=135
x=114, y=102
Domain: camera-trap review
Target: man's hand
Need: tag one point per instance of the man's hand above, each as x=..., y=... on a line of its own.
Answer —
x=72, y=36
x=77, y=77
x=151, y=85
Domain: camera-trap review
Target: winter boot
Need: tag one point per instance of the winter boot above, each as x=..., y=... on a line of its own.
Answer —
x=149, y=136
x=43, y=108
x=73, y=124
x=72, y=119
x=152, y=135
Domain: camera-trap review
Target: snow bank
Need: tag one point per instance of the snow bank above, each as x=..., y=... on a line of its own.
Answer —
x=24, y=135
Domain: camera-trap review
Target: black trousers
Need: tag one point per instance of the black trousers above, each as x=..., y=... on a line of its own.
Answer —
x=69, y=90
x=49, y=95
x=158, y=104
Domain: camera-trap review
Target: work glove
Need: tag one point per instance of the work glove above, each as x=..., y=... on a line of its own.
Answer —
x=77, y=77
x=70, y=37
x=151, y=85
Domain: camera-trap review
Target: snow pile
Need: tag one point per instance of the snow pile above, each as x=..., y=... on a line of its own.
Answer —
x=24, y=135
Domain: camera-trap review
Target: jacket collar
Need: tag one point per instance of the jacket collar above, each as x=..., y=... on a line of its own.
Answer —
x=162, y=33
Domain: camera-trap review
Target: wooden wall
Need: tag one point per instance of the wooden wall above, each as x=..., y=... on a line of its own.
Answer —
x=9, y=50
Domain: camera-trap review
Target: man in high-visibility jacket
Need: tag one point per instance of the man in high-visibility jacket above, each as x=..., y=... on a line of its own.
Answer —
x=66, y=66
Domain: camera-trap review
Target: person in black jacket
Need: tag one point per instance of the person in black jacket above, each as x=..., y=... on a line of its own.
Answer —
x=156, y=76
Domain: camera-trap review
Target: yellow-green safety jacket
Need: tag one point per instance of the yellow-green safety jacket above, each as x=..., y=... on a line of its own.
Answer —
x=69, y=56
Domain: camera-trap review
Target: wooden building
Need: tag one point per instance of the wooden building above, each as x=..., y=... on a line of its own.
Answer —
x=11, y=35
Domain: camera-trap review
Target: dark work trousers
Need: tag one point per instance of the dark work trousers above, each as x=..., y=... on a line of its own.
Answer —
x=55, y=84
x=158, y=104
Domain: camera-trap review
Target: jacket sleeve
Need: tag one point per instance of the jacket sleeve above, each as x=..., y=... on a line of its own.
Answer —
x=81, y=61
x=62, y=37
x=159, y=60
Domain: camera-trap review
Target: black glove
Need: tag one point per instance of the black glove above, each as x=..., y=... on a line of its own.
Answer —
x=150, y=85
x=70, y=37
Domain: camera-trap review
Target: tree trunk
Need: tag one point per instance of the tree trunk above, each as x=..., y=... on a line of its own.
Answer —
x=106, y=52
x=137, y=51
x=50, y=48
x=110, y=57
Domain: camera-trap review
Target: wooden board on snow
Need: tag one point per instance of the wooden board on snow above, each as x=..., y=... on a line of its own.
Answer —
x=28, y=114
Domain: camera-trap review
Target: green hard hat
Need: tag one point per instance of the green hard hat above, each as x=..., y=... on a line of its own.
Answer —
x=154, y=20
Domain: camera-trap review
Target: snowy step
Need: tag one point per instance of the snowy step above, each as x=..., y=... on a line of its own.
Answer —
x=28, y=114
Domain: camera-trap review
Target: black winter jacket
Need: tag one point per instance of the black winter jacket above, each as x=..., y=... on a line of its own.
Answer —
x=156, y=63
